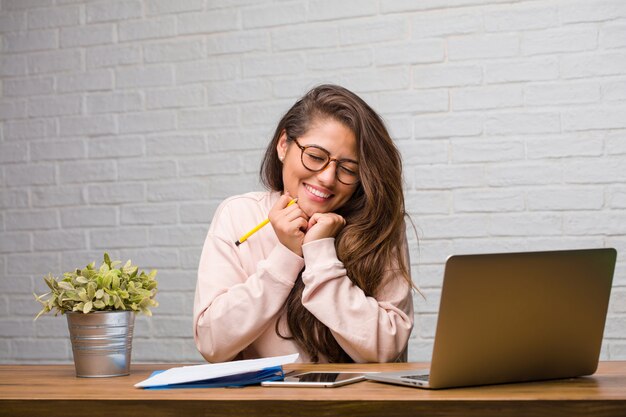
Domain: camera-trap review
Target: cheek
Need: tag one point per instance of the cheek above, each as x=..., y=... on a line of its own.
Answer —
x=346, y=195
x=348, y=190
x=291, y=176
x=294, y=171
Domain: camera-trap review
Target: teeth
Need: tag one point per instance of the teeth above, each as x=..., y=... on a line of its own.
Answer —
x=317, y=192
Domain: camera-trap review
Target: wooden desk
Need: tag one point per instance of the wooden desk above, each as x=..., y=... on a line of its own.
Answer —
x=53, y=390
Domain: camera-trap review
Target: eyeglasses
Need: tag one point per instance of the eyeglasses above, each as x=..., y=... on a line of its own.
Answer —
x=316, y=159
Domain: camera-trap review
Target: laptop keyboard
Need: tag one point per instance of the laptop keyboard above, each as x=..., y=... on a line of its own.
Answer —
x=417, y=377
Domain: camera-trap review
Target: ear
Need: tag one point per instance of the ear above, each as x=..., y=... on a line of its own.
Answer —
x=281, y=147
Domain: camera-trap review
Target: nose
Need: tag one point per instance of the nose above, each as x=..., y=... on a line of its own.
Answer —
x=329, y=174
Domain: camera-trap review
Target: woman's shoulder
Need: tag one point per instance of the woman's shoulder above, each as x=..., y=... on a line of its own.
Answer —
x=252, y=204
x=252, y=200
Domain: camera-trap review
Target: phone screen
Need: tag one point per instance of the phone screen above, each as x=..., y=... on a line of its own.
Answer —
x=321, y=377
x=318, y=379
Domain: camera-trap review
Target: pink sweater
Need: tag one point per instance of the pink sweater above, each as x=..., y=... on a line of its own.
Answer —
x=241, y=290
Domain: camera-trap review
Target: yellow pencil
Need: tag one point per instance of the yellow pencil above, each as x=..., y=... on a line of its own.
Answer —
x=259, y=227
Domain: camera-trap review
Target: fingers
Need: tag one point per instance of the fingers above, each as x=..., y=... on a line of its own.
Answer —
x=293, y=212
x=328, y=219
x=313, y=220
x=283, y=201
x=323, y=225
x=289, y=223
x=301, y=225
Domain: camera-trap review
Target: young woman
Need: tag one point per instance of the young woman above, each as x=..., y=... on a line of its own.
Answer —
x=329, y=278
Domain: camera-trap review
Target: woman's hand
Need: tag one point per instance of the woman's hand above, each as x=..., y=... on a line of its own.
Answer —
x=289, y=223
x=323, y=225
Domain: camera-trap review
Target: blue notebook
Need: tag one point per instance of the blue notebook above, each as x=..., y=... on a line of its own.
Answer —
x=223, y=374
x=241, y=380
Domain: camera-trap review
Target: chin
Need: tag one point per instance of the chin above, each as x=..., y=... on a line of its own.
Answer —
x=323, y=209
x=312, y=208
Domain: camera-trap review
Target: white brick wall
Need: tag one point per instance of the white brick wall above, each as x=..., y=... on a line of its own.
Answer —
x=124, y=123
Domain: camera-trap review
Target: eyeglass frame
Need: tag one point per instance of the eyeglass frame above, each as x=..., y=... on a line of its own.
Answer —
x=330, y=159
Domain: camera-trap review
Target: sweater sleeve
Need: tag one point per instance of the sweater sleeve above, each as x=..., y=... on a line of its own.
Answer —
x=231, y=309
x=368, y=329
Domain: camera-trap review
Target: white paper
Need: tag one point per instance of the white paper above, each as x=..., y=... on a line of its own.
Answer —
x=214, y=370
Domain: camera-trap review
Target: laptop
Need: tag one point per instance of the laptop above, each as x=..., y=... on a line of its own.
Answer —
x=517, y=317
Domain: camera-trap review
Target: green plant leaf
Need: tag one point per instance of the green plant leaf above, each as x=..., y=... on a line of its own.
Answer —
x=82, y=294
x=40, y=297
x=107, y=280
x=110, y=287
x=89, y=273
x=50, y=282
x=115, y=284
x=72, y=295
x=118, y=303
x=91, y=290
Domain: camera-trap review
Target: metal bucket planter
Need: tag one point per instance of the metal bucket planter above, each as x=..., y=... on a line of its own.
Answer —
x=101, y=342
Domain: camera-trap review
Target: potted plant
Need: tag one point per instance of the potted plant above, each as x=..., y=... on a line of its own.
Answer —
x=100, y=306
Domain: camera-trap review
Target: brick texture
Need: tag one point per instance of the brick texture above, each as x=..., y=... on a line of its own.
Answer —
x=124, y=123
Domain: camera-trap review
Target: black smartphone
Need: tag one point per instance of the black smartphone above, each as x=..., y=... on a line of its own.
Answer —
x=318, y=379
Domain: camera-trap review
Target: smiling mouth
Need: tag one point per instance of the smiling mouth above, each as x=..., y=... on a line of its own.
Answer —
x=316, y=192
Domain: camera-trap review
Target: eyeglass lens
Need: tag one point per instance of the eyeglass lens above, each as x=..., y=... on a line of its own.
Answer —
x=317, y=159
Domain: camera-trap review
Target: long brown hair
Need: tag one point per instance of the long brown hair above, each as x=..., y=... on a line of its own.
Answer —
x=372, y=238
